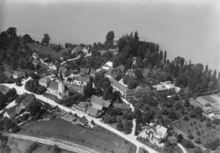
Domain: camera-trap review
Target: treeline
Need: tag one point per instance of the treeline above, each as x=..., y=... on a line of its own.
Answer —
x=7, y=98
x=35, y=87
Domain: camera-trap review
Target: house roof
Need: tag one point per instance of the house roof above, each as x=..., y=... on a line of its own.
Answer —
x=102, y=51
x=53, y=85
x=122, y=106
x=92, y=111
x=36, y=62
x=114, y=50
x=28, y=98
x=42, y=71
x=117, y=85
x=109, y=64
x=11, y=111
x=4, y=88
x=83, y=105
x=92, y=72
x=131, y=92
x=76, y=49
x=195, y=103
x=84, y=70
x=143, y=90
x=83, y=120
x=121, y=68
x=8, y=74
x=100, y=101
x=83, y=78
x=63, y=70
x=44, y=80
x=161, y=131
x=202, y=101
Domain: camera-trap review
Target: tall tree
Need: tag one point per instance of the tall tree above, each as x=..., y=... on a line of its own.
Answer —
x=110, y=38
x=45, y=40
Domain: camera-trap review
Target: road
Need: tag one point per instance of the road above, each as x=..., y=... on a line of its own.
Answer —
x=70, y=60
x=52, y=141
x=21, y=90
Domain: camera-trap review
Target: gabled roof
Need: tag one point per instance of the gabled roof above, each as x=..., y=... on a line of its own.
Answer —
x=8, y=74
x=122, y=106
x=115, y=50
x=100, y=101
x=92, y=72
x=102, y=51
x=76, y=49
x=83, y=120
x=63, y=70
x=143, y=90
x=27, y=100
x=121, y=68
x=83, y=105
x=53, y=85
x=44, y=80
x=161, y=131
x=4, y=89
x=92, y=111
x=84, y=70
x=82, y=78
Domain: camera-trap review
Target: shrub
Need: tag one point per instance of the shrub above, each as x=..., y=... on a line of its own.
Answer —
x=191, y=136
x=186, y=118
x=198, y=133
x=198, y=141
x=208, y=124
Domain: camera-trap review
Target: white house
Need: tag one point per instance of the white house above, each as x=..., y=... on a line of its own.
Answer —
x=44, y=81
x=107, y=66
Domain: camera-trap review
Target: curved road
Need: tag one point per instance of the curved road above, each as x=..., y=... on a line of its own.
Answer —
x=21, y=90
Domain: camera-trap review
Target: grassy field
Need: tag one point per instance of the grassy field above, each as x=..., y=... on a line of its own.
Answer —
x=20, y=146
x=46, y=50
x=98, y=138
x=194, y=125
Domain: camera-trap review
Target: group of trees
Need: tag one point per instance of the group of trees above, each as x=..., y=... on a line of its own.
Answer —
x=35, y=87
x=7, y=98
x=74, y=99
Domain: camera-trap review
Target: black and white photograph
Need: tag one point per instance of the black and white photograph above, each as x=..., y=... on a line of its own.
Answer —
x=109, y=76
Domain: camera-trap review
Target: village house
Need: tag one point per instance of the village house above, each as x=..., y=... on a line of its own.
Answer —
x=13, y=111
x=99, y=105
x=84, y=71
x=43, y=72
x=44, y=82
x=114, y=51
x=84, y=121
x=4, y=89
x=8, y=74
x=19, y=74
x=82, y=106
x=92, y=72
x=81, y=81
x=29, y=99
x=65, y=72
x=35, y=55
x=54, y=66
x=36, y=63
x=107, y=66
x=93, y=111
x=122, y=106
x=102, y=52
x=76, y=50
x=154, y=133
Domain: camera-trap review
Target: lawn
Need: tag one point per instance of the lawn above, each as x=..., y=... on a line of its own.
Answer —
x=194, y=125
x=98, y=138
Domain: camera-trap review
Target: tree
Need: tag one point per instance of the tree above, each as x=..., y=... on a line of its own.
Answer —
x=186, y=103
x=110, y=38
x=18, y=82
x=178, y=105
x=27, y=39
x=11, y=32
x=45, y=40
x=132, y=84
x=198, y=150
x=88, y=89
x=191, y=136
x=120, y=126
x=198, y=141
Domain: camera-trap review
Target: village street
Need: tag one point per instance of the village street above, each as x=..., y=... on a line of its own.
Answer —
x=131, y=137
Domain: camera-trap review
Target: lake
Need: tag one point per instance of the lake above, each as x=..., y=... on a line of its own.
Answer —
x=184, y=28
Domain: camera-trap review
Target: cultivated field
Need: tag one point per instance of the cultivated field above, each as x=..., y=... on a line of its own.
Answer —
x=20, y=146
x=98, y=138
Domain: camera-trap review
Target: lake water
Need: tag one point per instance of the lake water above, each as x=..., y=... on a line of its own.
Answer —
x=183, y=28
